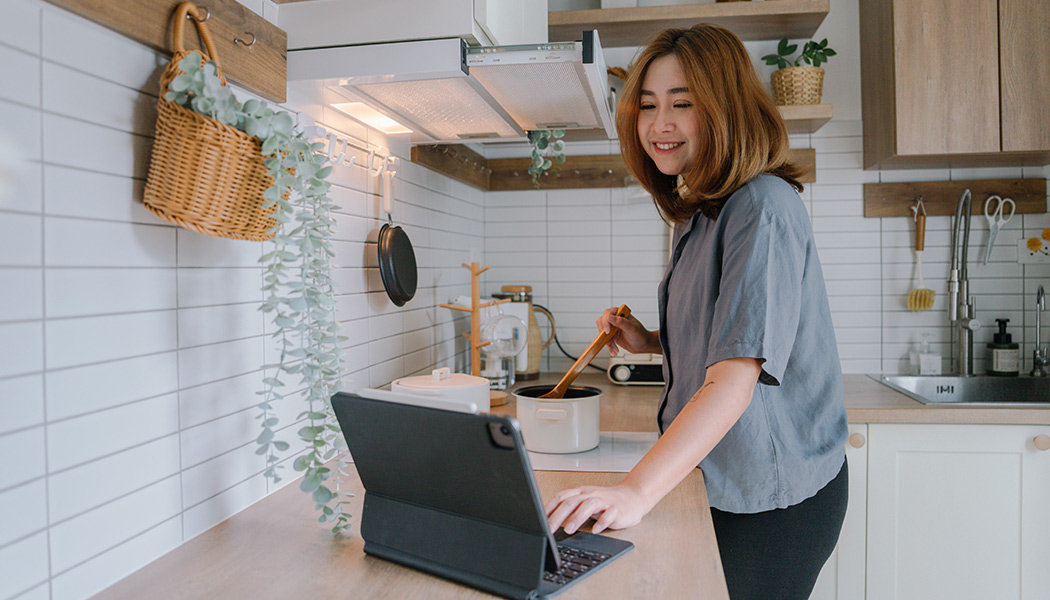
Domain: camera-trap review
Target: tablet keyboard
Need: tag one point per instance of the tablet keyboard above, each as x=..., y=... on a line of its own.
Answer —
x=574, y=563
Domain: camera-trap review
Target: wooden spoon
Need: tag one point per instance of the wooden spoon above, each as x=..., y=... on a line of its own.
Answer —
x=585, y=358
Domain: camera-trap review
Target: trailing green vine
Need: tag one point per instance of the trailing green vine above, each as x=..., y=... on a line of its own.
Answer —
x=546, y=144
x=297, y=283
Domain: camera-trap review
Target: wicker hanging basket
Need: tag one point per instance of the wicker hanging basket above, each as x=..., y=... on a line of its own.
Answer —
x=797, y=85
x=205, y=175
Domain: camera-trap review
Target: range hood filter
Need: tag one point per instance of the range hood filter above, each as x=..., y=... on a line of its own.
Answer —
x=540, y=95
x=444, y=109
x=446, y=91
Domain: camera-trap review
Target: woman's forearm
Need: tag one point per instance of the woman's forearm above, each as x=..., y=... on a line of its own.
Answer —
x=654, y=346
x=711, y=412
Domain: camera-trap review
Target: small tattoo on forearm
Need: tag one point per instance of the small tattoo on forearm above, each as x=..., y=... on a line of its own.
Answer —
x=697, y=394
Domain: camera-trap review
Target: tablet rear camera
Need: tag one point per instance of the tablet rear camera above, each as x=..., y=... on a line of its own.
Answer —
x=500, y=434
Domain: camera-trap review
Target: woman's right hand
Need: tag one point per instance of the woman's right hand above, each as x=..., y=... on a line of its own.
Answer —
x=628, y=333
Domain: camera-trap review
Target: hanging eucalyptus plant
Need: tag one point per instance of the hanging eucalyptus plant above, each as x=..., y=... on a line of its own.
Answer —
x=546, y=145
x=297, y=282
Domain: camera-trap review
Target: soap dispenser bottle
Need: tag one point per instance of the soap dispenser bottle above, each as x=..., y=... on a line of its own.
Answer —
x=929, y=361
x=1006, y=354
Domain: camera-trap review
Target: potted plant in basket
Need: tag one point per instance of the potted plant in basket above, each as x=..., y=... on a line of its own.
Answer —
x=793, y=82
x=297, y=279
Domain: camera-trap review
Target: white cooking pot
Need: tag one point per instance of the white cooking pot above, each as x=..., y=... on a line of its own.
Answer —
x=560, y=426
x=443, y=383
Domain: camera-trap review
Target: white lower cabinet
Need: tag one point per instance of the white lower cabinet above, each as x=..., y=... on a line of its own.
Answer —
x=944, y=512
x=843, y=575
x=958, y=512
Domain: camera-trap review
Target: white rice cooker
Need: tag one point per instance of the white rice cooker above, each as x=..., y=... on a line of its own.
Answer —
x=558, y=426
x=443, y=383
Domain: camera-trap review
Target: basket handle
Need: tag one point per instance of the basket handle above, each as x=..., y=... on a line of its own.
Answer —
x=190, y=9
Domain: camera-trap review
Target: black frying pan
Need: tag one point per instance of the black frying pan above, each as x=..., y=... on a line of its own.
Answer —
x=397, y=260
x=397, y=264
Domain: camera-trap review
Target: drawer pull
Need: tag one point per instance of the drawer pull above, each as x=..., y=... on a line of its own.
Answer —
x=857, y=440
x=1042, y=442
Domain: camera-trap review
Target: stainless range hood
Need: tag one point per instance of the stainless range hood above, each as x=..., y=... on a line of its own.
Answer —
x=445, y=91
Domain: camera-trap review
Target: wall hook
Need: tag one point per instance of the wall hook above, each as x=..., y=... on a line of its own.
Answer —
x=332, y=141
x=918, y=206
x=248, y=44
x=390, y=165
x=207, y=14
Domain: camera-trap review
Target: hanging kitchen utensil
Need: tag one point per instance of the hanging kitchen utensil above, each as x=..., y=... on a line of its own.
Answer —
x=920, y=298
x=397, y=259
x=588, y=355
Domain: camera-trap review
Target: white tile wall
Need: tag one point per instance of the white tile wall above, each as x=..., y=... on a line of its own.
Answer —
x=561, y=240
x=94, y=483
x=23, y=564
x=133, y=350
x=582, y=265
x=21, y=402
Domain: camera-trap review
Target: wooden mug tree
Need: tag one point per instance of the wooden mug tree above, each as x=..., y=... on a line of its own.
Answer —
x=496, y=398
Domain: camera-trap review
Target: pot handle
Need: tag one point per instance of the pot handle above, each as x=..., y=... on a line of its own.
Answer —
x=563, y=413
x=550, y=318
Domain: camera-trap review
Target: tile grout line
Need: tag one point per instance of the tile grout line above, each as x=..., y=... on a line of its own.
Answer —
x=178, y=399
x=882, y=294
x=43, y=302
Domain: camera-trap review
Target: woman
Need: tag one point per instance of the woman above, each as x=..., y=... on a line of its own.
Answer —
x=753, y=389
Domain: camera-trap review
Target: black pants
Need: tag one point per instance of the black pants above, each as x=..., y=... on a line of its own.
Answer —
x=778, y=554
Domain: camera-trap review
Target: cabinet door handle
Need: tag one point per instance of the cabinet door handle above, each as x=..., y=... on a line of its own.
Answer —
x=1042, y=442
x=857, y=440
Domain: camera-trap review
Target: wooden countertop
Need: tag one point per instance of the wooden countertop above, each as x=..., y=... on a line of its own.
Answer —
x=633, y=407
x=277, y=549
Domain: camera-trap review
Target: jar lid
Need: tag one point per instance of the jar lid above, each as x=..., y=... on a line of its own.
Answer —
x=517, y=289
x=441, y=379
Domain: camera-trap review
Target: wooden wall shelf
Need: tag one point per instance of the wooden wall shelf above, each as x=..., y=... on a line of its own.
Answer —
x=805, y=118
x=940, y=197
x=618, y=27
x=262, y=68
x=511, y=174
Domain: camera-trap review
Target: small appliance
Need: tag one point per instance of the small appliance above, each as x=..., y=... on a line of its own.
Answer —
x=636, y=369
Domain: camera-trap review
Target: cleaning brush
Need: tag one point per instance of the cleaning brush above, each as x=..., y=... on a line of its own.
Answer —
x=920, y=298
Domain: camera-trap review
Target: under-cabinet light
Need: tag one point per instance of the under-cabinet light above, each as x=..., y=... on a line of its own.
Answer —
x=371, y=117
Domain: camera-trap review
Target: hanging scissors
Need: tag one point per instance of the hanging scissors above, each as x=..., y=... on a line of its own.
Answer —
x=997, y=217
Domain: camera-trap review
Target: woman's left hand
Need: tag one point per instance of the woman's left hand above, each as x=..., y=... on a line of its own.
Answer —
x=615, y=507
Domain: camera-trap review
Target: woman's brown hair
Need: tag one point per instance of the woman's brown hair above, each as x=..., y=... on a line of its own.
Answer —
x=742, y=133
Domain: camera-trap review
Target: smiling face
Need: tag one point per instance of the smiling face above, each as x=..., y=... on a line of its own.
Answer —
x=668, y=123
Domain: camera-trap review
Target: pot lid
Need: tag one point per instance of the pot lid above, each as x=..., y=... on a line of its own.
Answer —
x=441, y=379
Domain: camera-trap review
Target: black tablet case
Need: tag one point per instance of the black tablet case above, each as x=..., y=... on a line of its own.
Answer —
x=442, y=497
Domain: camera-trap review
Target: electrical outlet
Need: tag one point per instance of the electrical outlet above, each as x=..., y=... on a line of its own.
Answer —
x=1027, y=256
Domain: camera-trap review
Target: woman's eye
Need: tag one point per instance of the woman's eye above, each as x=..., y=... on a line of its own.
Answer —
x=683, y=105
x=647, y=107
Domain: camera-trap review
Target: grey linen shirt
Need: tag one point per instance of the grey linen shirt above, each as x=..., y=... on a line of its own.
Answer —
x=749, y=284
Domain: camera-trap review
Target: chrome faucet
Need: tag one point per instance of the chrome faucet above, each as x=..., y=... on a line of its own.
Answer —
x=1039, y=357
x=962, y=307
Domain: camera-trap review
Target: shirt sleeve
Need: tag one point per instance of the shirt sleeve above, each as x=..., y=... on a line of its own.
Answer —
x=759, y=300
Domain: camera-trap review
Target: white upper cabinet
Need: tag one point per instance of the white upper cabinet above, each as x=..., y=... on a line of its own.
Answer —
x=324, y=23
x=508, y=22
